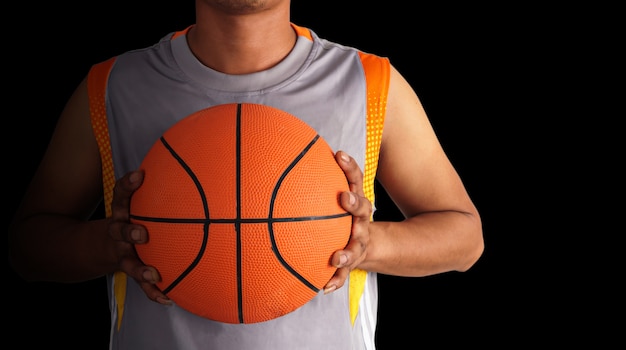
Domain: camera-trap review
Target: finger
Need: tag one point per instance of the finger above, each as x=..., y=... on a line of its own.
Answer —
x=361, y=210
x=337, y=281
x=155, y=294
x=353, y=253
x=147, y=277
x=353, y=172
x=119, y=226
x=128, y=232
x=358, y=206
x=122, y=192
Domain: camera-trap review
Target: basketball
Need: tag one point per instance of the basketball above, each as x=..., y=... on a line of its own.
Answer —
x=241, y=204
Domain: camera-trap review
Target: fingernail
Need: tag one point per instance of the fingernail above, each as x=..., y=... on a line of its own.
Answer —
x=134, y=177
x=352, y=198
x=164, y=301
x=147, y=275
x=330, y=288
x=345, y=158
x=342, y=260
x=135, y=235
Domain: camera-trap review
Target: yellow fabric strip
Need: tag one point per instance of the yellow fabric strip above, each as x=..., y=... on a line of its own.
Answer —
x=377, y=80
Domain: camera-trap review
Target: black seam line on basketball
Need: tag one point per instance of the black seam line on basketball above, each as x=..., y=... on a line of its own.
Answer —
x=241, y=220
x=205, y=236
x=270, y=227
x=238, y=222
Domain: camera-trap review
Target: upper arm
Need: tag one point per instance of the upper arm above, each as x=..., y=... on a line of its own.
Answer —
x=68, y=180
x=413, y=168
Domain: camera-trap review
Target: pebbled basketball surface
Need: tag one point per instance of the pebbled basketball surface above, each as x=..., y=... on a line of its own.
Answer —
x=241, y=202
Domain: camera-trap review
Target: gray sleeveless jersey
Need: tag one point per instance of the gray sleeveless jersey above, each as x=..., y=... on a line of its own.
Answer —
x=149, y=90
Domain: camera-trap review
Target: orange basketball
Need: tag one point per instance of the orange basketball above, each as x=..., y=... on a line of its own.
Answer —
x=241, y=203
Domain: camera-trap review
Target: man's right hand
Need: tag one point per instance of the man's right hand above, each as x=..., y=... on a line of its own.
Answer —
x=127, y=234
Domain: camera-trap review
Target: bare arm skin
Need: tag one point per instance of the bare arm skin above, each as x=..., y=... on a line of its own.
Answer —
x=51, y=237
x=442, y=231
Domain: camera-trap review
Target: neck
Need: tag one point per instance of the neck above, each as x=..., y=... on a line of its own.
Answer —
x=241, y=44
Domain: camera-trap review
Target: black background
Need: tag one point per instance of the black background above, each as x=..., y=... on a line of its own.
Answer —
x=477, y=72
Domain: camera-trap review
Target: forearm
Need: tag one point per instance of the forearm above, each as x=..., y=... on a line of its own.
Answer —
x=425, y=244
x=49, y=247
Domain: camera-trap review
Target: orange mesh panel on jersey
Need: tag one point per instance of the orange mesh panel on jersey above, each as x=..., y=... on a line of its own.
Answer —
x=96, y=87
x=377, y=80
